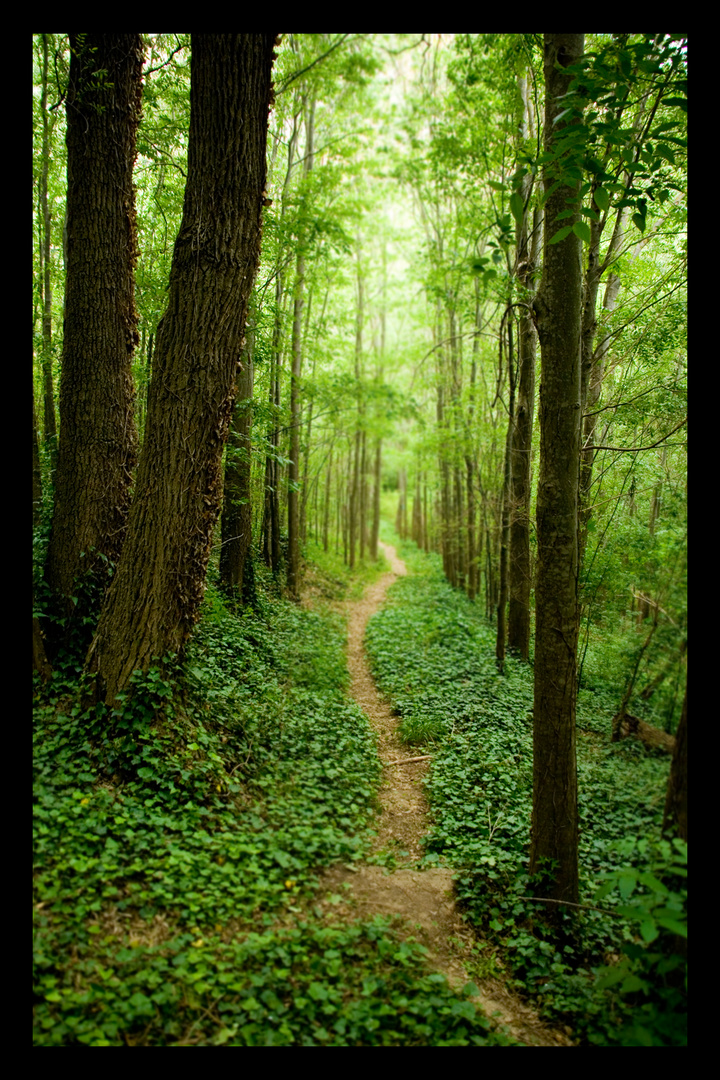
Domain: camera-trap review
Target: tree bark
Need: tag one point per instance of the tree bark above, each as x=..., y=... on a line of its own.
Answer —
x=554, y=836
x=98, y=445
x=236, y=530
x=520, y=573
x=675, y=816
x=377, y=474
x=293, y=567
x=156, y=592
x=507, y=508
x=49, y=419
x=37, y=475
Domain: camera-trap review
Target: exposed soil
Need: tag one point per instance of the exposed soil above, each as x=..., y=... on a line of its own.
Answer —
x=423, y=900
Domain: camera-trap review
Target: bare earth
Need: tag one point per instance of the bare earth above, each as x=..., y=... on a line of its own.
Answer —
x=423, y=899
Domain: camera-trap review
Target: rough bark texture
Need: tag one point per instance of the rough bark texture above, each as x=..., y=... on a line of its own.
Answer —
x=559, y=307
x=652, y=737
x=159, y=583
x=97, y=447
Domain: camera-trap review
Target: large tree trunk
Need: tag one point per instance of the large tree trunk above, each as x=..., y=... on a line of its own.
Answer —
x=156, y=592
x=559, y=309
x=97, y=447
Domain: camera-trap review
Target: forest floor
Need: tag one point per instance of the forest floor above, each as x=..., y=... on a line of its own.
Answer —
x=421, y=899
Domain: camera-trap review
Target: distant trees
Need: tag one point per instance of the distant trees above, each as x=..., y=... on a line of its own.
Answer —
x=155, y=594
x=391, y=340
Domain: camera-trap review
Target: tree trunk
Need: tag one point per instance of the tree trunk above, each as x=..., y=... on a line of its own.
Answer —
x=520, y=575
x=97, y=450
x=376, y=502
x=507, y=509
x=554, y=839
x=675, y=816
x=49, y=420
x=37, y=476
x=157, y=589
x=293, y=568
x=236, y=531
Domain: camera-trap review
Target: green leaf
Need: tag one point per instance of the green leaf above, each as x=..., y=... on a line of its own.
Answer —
x=648, y=930
x=602, y=199
x=680, y=102
x=639, y=220
x=517, y=206
x=649, y=879
x=674, y=925
x=582, y=229
x=561, y=234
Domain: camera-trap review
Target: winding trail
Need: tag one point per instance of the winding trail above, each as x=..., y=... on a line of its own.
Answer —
x=424, y=899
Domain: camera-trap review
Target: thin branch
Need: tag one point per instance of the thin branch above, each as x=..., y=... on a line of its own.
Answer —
x=620, y=404
x=297, y=74
x=404, y=761
x=637, y=449
x=636, y=314
x=165, y=62
x=585, y=907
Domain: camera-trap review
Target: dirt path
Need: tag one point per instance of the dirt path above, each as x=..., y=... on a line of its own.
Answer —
x=424, y=898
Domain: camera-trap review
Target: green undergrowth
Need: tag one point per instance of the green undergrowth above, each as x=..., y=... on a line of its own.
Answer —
x=614, y=975
x=177, y=840
x=328, y=577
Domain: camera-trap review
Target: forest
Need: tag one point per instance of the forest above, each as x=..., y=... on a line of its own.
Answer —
x=359, y=539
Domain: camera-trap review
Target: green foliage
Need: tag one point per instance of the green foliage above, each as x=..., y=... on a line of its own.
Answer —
x=433, y=653
x=650, y=977
x=307, y=985
x=168, y=830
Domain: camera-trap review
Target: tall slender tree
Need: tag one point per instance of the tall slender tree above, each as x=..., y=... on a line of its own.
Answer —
x=97, y=446
x=155, y=595
x=526, y=253
x=50, y=423
x=558, y=306
x=236, y=569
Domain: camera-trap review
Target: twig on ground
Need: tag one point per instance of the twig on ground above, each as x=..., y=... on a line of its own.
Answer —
x=404, y=761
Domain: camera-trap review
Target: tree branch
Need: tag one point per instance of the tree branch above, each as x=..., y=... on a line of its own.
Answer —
x=297, y=74
x=637, y=449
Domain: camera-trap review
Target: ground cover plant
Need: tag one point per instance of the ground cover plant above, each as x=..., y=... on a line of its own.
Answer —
x=176, y=838
x=614, y=971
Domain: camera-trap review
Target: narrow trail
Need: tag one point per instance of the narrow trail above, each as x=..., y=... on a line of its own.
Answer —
x=424, y=899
